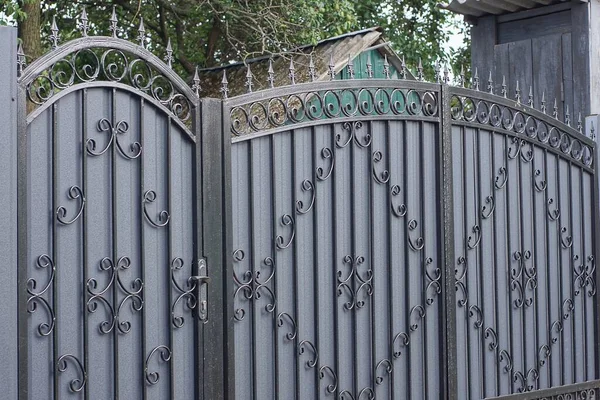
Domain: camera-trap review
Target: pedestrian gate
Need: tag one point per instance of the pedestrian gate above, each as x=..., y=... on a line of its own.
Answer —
x=356, y=239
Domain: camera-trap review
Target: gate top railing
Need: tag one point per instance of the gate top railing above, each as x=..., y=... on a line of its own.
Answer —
x=276, y=109
x=93, y=61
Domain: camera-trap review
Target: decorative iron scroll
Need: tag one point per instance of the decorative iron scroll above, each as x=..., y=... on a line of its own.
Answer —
x=526, y=124
x=320, y=102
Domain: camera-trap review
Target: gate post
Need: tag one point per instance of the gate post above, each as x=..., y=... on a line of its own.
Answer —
x=217, y=235
x=447, y=220
x=8, y=214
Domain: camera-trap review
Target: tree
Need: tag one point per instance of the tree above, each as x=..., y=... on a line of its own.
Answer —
x=215, y=32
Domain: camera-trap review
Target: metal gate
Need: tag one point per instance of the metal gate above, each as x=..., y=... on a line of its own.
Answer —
x=351, y=240
x=406, y=240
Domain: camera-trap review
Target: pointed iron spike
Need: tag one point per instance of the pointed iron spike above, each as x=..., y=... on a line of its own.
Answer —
x=271, y=74
x=113, y=22
x=461, y=76
x=369, y=66
x=196, y=83
x=555, y=109
x=504, y=87
x=350, y=67
x=530, y=101
x=54, y=33
x=331, y=67
x=83, y=23
x=543, y=103
x=21, y=61
x=224, y=85
x=446, y=75
x=169, y=57
x=312, y=72
x=518, y=93
x=490, y=86
x=420, y=75
x=248, y=78
x=386, y=67
x=579, y=124
x=567, y=116
x=437, y=70
x=292, y=73
x=142, y=33
x=476, y=79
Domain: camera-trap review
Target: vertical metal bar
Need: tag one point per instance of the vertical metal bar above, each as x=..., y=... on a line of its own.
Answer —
x=295, y=263
x=354, y=256
x=274, y=251
x=467, y=258
x=423, y=252
x=372, y=308
x=388, y=244
x=595, y=205
x=22, y=248
x=84, y=235
x=572, y=281
x=334, y=253
x=446, y=220
x=115, y=241
x=559, y=269
x=406, y=251
x=521, y=225
x=480, y=264
x=547, y=250
x=253, y=338
x=142, y=250
x=169, y=273
x=584, y=261
x=315, y=251
x=496, y=266
x=55, y=343
x=508, y=258
x=533, y=217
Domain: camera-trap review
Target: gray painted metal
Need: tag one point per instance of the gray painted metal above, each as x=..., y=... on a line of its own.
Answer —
x=339, y=228
x=8, y=214
x=477, y=8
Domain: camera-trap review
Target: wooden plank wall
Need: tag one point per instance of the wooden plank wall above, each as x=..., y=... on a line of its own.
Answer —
x=545, y=48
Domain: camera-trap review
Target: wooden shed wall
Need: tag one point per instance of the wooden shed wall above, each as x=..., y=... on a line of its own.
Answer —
x=545, y=48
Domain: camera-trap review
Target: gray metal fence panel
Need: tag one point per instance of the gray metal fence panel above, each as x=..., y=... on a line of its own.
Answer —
x=8, y=213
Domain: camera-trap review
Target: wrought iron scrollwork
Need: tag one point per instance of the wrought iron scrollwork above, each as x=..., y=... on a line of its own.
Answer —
x=362, y=283
x=252, y=288
x=163, y=217
x=417, y=244
x=120, y=128
x=75, y=193
x=553, y=215
x=306, y=186
x=403, y=340
x=307, y=344
x=77, y=384
x=541, y=185
x=382, y=177
x=286, y=220
x=501, y=178
x=326, y=154
x=36, y=297
x=185, y=293
x=281, y=318
x=327, y=370
x=488, y=209
x=386, y=367
x=474, y=239
x=164, y=354
x=398, y=211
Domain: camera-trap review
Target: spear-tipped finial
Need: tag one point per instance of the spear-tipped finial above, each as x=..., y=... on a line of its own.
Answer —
x=54, y=33
x=420, y=74
x=312, y=71
x=504, y=87
x=113, y=22
x=271, y=74
x=169, y=57
x=83, y=24
x=555, y=109
x=461, y=76
x=369, y=66
x=292, y=73
x=567, y=116
x=403, y=68
x=437, y=69
x=350, y=67
x=490, y=86
x=248, y=78
x=446, y=74
x=543, y=103
x=579, y=124
x=142, y=33
x=224, y=85
x=476, y=80
x=530, y=101
x=518, y=93
x=331, y=67
x=196, y=83
x=386, y=67
x=21, y=61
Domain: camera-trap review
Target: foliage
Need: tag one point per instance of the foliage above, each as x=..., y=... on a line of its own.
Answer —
x=214, y=32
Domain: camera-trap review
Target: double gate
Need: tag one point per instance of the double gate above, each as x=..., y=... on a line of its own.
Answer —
x=353, y=239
